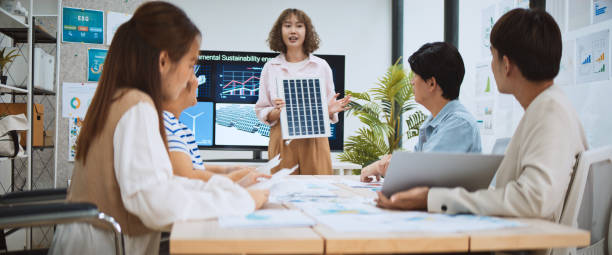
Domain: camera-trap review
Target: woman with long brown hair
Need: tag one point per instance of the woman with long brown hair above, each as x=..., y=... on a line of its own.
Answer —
x=122, y=163
x=294, y=36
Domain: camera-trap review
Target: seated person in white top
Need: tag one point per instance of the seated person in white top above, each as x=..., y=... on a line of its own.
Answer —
x=183, y=150
x=534, y=175
x=439, y=71
x=122, y=164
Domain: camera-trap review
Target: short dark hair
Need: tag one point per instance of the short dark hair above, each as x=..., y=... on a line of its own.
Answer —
x=531, y=39
x=442, y=61
x=275, y=38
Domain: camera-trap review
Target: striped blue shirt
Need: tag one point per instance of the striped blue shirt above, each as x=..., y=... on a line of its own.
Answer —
x=181, y=139
x=452, y=130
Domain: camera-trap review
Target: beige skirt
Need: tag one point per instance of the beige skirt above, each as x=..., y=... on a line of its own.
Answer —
x=311, y=154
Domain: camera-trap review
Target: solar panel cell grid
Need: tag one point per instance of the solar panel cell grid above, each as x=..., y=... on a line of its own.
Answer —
x=304, y=108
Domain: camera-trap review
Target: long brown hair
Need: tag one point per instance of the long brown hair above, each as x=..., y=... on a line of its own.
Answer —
x=275, y=38
x=133, y=62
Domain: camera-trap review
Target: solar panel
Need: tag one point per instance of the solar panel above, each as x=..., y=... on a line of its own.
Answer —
x=305, y=113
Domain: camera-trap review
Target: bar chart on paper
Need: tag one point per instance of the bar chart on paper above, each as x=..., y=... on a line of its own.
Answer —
x=591, y=52
x=600, y=11
x=238, y=82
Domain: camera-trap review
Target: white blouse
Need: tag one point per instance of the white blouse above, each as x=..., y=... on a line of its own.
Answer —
x=150, y=191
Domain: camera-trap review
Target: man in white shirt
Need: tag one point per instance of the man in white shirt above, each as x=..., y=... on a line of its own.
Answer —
x=533, y=177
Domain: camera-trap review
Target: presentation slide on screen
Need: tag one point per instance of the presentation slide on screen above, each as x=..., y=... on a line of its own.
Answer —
x=199, y=118
x=230, y=80
x=237, y=124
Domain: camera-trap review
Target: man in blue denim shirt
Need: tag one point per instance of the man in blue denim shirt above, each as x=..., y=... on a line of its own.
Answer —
x=452, y=130
x=439, y=71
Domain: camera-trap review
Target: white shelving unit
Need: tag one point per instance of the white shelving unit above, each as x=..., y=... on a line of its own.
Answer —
x=18, y=28
x=11, y=21
x=8, y=20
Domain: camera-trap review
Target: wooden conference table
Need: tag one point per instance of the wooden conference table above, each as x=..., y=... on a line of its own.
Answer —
x=206, y=237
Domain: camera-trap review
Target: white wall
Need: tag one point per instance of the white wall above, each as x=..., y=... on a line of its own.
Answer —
x=358, y=29
x=506, y=111
x=416, y=14
x=591, y=100
x=423, y=23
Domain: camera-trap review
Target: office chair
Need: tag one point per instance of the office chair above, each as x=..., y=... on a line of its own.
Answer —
x=499, y=148
x=48, y=207
x=589, y=199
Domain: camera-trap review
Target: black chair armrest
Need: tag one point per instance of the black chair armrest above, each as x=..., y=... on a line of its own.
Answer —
x=46, y=214
x=15, y=216
x=33, y=196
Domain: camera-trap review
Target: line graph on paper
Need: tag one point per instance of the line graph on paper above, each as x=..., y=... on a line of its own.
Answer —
x=238, y=82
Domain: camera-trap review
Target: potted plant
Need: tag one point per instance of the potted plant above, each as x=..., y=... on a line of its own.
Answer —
x=4, y=60
x=381, y=109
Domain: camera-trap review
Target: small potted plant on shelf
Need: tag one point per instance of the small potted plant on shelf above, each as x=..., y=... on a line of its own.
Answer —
x=4, y=60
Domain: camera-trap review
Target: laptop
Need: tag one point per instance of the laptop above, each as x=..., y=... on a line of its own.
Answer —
x=412, y=169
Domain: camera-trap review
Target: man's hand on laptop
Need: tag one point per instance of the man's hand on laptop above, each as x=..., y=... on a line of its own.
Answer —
x=376, y=169
x=412, y=199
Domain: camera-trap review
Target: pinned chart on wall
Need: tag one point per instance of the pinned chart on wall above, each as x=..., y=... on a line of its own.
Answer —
x=82, y=25
x=487, y=21
x=601, y=11
x=484, y=116
x=485, y=83
x=566, y=67
x=592, y=57
x=74, y=129
x=113, y=21
x=95, y=63
x=76, y=98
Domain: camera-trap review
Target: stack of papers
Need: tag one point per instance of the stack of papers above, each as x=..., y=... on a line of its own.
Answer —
x=269, y=218
x=374, y=186
x=332, y=207
x=413, y=221
x=301, y=189
x=283, y=189
x=276, y=178
x=266, y=168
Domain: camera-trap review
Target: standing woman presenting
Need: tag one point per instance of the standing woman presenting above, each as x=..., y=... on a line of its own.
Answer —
x=294, y=36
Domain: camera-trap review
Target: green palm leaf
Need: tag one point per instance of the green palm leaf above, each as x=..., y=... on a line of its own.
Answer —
x=380, y=109
x=414, y=122
x=356, y=95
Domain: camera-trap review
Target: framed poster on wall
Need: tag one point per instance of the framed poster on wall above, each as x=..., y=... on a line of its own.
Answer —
x=95, y=63
x=82, y=25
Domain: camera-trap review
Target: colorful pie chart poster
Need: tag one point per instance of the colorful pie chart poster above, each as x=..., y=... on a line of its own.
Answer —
x=82, y=25
x=95, y=63
x=76, y=98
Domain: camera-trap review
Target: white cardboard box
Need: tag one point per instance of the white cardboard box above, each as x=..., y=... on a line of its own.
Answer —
x=44, y=70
